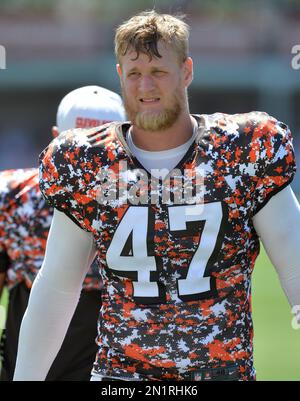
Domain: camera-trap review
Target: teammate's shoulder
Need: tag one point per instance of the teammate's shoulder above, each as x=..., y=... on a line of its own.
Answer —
x=13, y=178
x=14, y=183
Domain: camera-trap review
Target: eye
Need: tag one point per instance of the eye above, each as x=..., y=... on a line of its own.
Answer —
x=133, y=74
x=159, y=73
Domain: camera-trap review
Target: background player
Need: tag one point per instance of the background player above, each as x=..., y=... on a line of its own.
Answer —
x=24, y=224
x=177, y=284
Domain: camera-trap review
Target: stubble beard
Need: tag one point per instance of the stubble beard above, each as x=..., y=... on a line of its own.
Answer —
x=154, y=120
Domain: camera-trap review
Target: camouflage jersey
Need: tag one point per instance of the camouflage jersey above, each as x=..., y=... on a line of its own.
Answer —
x=25, y=220
x=176, y=272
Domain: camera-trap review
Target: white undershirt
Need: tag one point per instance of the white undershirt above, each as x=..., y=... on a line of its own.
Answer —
x=164, y=160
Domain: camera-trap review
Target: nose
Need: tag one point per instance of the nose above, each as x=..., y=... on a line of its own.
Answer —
x=146, y=84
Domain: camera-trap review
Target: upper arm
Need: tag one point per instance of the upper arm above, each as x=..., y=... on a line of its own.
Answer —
x=69, y=253
x=278, y=225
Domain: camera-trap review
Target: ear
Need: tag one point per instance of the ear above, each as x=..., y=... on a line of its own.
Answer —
x=188, y=71
x=119, y=70
x=55, y=132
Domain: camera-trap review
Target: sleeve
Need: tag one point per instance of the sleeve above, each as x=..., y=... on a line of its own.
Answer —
x=61, y=176
x=280, y=218
x=272, y=154
x=53, y=298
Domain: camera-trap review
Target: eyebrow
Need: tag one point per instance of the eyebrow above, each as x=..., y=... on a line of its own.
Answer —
x=134, y=69
x=153, y=69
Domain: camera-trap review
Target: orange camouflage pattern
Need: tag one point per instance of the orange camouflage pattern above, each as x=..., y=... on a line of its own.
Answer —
x=246, y=159
x=25, y=219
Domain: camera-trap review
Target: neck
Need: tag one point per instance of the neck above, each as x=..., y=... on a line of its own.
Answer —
x=179, y=133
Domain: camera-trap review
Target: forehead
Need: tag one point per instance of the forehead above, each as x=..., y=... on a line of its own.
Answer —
x=168, y=58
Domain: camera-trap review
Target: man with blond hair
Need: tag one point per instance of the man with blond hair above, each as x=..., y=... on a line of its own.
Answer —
x=173, y=204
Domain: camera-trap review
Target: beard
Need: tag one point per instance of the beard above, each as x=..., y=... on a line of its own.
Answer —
x=150, y=120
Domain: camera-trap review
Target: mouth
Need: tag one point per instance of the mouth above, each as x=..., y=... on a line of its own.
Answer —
x=149, y=100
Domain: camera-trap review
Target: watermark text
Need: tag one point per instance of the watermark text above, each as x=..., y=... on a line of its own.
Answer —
x=138, y=187
x=2, y=58
x=296, y=58
x=296, y=319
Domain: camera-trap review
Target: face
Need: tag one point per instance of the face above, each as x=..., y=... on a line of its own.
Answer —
x=154, y=92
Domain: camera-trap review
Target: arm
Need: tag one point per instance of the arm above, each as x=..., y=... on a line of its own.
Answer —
x=54, y=297
x=278, y=225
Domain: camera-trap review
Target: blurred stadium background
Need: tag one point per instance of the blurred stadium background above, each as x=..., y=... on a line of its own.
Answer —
x=242, y=53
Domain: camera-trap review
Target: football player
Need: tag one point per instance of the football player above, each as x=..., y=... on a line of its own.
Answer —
x=174, y=205
x=24, y=224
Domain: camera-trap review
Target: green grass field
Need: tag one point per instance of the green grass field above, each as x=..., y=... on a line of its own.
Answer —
x=276, y=344
x=3, y=302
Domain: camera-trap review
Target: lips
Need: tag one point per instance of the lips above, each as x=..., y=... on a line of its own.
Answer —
x=149, y=100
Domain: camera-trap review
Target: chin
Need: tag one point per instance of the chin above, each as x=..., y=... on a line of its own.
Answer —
x=155, y=121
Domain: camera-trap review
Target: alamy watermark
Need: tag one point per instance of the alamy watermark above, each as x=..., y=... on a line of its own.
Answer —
x=138, y=187
x=2, y=58
x=296, y=319
x=296, y=59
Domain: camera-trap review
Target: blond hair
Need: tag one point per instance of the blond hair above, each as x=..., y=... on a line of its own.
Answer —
x=143, y=31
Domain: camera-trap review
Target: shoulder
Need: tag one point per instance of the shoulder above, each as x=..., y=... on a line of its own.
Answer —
x=265, y=136
x=254, y=125
x=260, y=124
x=257, y=132
x=78, y=148
x=70, y=165
x=244, y=123
x=14, y=180
x=16, y=187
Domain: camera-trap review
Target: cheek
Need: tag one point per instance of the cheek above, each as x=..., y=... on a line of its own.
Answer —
x=171, y=88
x=130, y=87
x=172, y=83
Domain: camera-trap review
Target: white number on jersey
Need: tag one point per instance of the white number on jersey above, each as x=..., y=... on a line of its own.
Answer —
x=197, y=283
x=129, y=255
